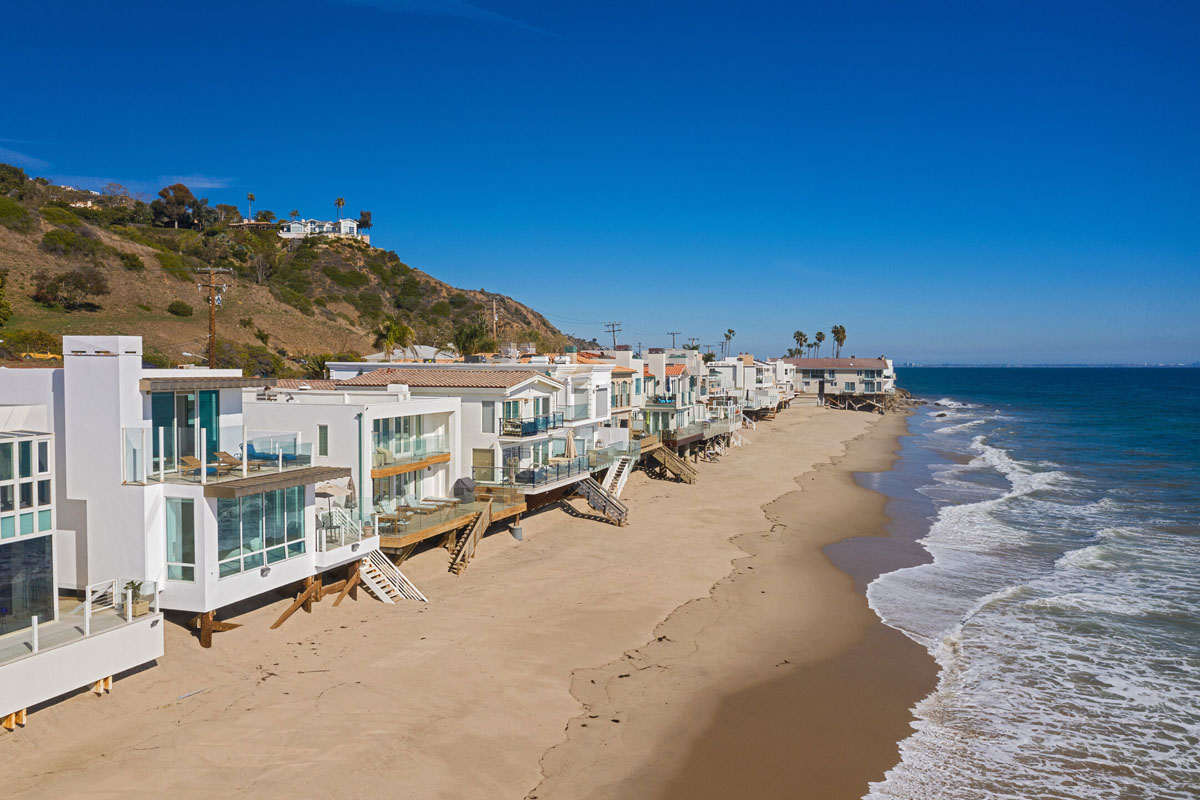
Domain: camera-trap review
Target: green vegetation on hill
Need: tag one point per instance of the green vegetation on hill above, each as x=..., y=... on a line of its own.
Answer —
x=68, y=249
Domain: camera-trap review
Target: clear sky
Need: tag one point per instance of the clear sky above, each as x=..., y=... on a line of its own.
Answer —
x=967, y=181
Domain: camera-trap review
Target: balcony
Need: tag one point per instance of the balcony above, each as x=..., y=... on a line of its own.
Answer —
x=392, y=454
x=164, y=455
x=531, y=426
x=685, y=434
x=575, y=413
x=106, y=634
x=538, y=477
x=717, y=427
x=402, y=526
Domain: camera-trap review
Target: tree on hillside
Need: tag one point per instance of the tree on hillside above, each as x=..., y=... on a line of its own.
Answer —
x=70, y=290
x=393, y=334
x=250, y=198
x=471, y=338
x=204, y=214
x=173, y=207
x=364, y=221
x=339, y=204
x=293, y=213
x=819, y=337
x=264, y=216
x=12, y=181
x=839, y=338
x=115, y=194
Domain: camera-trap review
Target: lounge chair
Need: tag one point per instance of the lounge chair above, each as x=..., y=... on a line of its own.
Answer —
x=192, y=464
x=235, y=463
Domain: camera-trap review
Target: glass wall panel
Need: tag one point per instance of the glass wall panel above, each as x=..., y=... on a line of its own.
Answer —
x=6, y=461
x=43, y=493
x=162, y=417
x=210, y=421
x=294, y=499
x=25, y=459
x=26, y=583
x=181, y=539
x=276, y=530
x=43, y=457
x=270, y=525
x=252, y=529
x=229, y=529
x=7, y=497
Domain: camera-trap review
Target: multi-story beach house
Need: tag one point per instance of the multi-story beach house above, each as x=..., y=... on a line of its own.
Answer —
x=304, y=228
x=846, y=382
x=50, y=647
x=168, y=485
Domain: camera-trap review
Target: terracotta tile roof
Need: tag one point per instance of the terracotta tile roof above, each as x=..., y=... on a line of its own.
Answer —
x=646, y=373
x=296, y=383
x=445, y=378
x=838, y=363
x=623, y=371
x=675, y=370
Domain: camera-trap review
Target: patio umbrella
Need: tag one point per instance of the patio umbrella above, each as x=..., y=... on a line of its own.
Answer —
x=352, y=498
x=569, y=451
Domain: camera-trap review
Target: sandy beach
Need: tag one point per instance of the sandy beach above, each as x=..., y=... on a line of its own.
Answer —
x=708, y=649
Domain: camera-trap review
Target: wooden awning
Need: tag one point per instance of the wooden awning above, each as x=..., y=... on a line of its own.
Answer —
x=185, y=382
x=270, y=481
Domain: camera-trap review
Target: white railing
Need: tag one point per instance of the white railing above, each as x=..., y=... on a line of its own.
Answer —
x=115, y=595
x=338, y=528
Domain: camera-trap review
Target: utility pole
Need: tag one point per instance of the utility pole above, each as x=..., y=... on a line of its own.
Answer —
x=692, y=342
x=673, y=334
x=495, y=318
x=614, y=328
x=214, y=300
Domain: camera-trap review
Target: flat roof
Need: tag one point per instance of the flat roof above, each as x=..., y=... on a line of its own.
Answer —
x=201, y=382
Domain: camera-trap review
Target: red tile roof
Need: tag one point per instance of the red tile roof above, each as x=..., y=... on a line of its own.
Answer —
x=623, y=371
x=445, y=378
x=296, y=383
x=675, y=370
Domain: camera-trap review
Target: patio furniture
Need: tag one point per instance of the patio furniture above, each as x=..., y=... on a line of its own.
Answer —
x=255, y=455
x=192, y=464
x=235, y=463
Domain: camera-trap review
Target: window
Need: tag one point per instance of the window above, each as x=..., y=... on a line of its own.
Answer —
x=322, y=440
x=488, y=408
x=25, y=459
x=512, y=409
x=6, y=461
x=637, y=385
x=26, y=582
x=43, y=457
x=849, y=386
x=181, y=539
x=259, y=529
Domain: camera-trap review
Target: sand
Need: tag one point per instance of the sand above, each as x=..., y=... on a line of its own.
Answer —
x=709, y=648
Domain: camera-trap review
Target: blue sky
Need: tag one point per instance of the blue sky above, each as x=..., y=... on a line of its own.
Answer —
x=982, y=181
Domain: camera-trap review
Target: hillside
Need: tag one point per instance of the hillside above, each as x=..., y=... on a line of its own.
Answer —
x=286, y=301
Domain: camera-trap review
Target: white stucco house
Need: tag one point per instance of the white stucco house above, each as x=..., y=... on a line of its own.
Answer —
x=303, y=228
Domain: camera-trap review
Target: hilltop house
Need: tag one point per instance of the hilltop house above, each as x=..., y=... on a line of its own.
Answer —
x=303, y=228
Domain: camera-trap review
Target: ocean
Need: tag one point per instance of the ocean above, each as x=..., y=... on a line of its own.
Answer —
x=1060, y=509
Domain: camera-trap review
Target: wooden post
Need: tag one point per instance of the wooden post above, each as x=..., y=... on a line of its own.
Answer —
x=353, y=577
x=312, y=587
x=309, y=591
x=206, y=628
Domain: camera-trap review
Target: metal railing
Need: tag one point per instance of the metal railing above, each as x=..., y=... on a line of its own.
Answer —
x=683, y=432
x=156, y=454
x=338, y=526
x=534, y=475
x=390, y=450
x=531, y=426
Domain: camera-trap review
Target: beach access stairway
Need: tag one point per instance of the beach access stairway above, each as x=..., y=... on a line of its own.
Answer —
x=382, y=579
x=601, y=500
x=618, y=474
x=464, y=547
x=675, y=465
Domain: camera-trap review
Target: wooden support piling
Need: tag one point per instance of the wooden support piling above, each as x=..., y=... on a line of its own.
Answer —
x=311, y=588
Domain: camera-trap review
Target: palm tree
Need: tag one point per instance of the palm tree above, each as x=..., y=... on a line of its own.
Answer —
x=293, y=213
x=820, y=337
x=469, y=338
x=250, y=205
x=339, y=204
x=314, y=366
x=729, y=334
x=801, y=339
x=392, y=334
x=839, y=336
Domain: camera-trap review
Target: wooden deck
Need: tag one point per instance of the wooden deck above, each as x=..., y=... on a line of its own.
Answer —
x=411, y=466
x=446, y=526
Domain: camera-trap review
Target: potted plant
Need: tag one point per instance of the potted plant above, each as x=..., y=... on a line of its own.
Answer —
x=140, y=604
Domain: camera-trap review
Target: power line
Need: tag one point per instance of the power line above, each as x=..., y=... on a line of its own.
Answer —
x=673, y=334
x=614, y=328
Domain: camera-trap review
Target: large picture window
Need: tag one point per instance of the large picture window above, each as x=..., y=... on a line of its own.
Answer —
x=181, y=539
x=259, y=529
x=26, y=497
x=26, y=582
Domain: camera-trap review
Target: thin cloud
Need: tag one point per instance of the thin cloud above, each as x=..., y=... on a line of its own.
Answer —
x=197, y=181
x=21, y=160
x=443, y=8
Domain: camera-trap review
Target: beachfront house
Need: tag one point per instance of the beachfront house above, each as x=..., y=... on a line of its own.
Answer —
x=50, y=647
x=846, y=382
x=169, y=485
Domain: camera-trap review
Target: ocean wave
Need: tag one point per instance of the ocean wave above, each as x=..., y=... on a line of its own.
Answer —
x=946, y=402
x=962, y=426
x=1096, y=556
x=1098, y=602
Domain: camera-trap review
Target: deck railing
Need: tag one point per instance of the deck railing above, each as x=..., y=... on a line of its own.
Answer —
x=156, y=454
x=389, y=450
x=531, y=426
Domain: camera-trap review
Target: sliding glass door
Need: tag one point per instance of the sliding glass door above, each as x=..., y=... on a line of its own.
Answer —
x=183, y=417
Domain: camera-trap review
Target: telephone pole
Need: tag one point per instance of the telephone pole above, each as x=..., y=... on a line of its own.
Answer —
x=495, y=318
x=692, y=342
x=673, y=334
x=214, y=300
x=614, y=328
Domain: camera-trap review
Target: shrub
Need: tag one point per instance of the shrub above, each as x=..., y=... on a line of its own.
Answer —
x=156, y=359
x=459, y=300
x=12, y=181
x=347, y=278
x=173, y=264
x=30, y=341
x=5, y=306
x=262, y=336
x=440, y=309
x=62, y=242
x=15, y=216
x=59, y=216
x=132, y=262
x=70, y=290
x=144, y=307
x=180, y=308
x=296, y=300
x=246, y=322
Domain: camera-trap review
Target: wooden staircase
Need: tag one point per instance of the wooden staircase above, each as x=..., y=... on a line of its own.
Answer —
x=601, y=500
x=618, y=473
x=464, y=546
x=382, y=579
x=675, y=465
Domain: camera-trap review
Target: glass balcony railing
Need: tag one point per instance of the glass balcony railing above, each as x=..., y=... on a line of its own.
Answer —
x=532, y=475
x=531, y=426
x=157, y=454
x=683, y=432
x=390, y=450
x=576, y=412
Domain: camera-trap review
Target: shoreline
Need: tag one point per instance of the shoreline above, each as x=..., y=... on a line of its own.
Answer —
x=824, y=728
x=469, y=695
